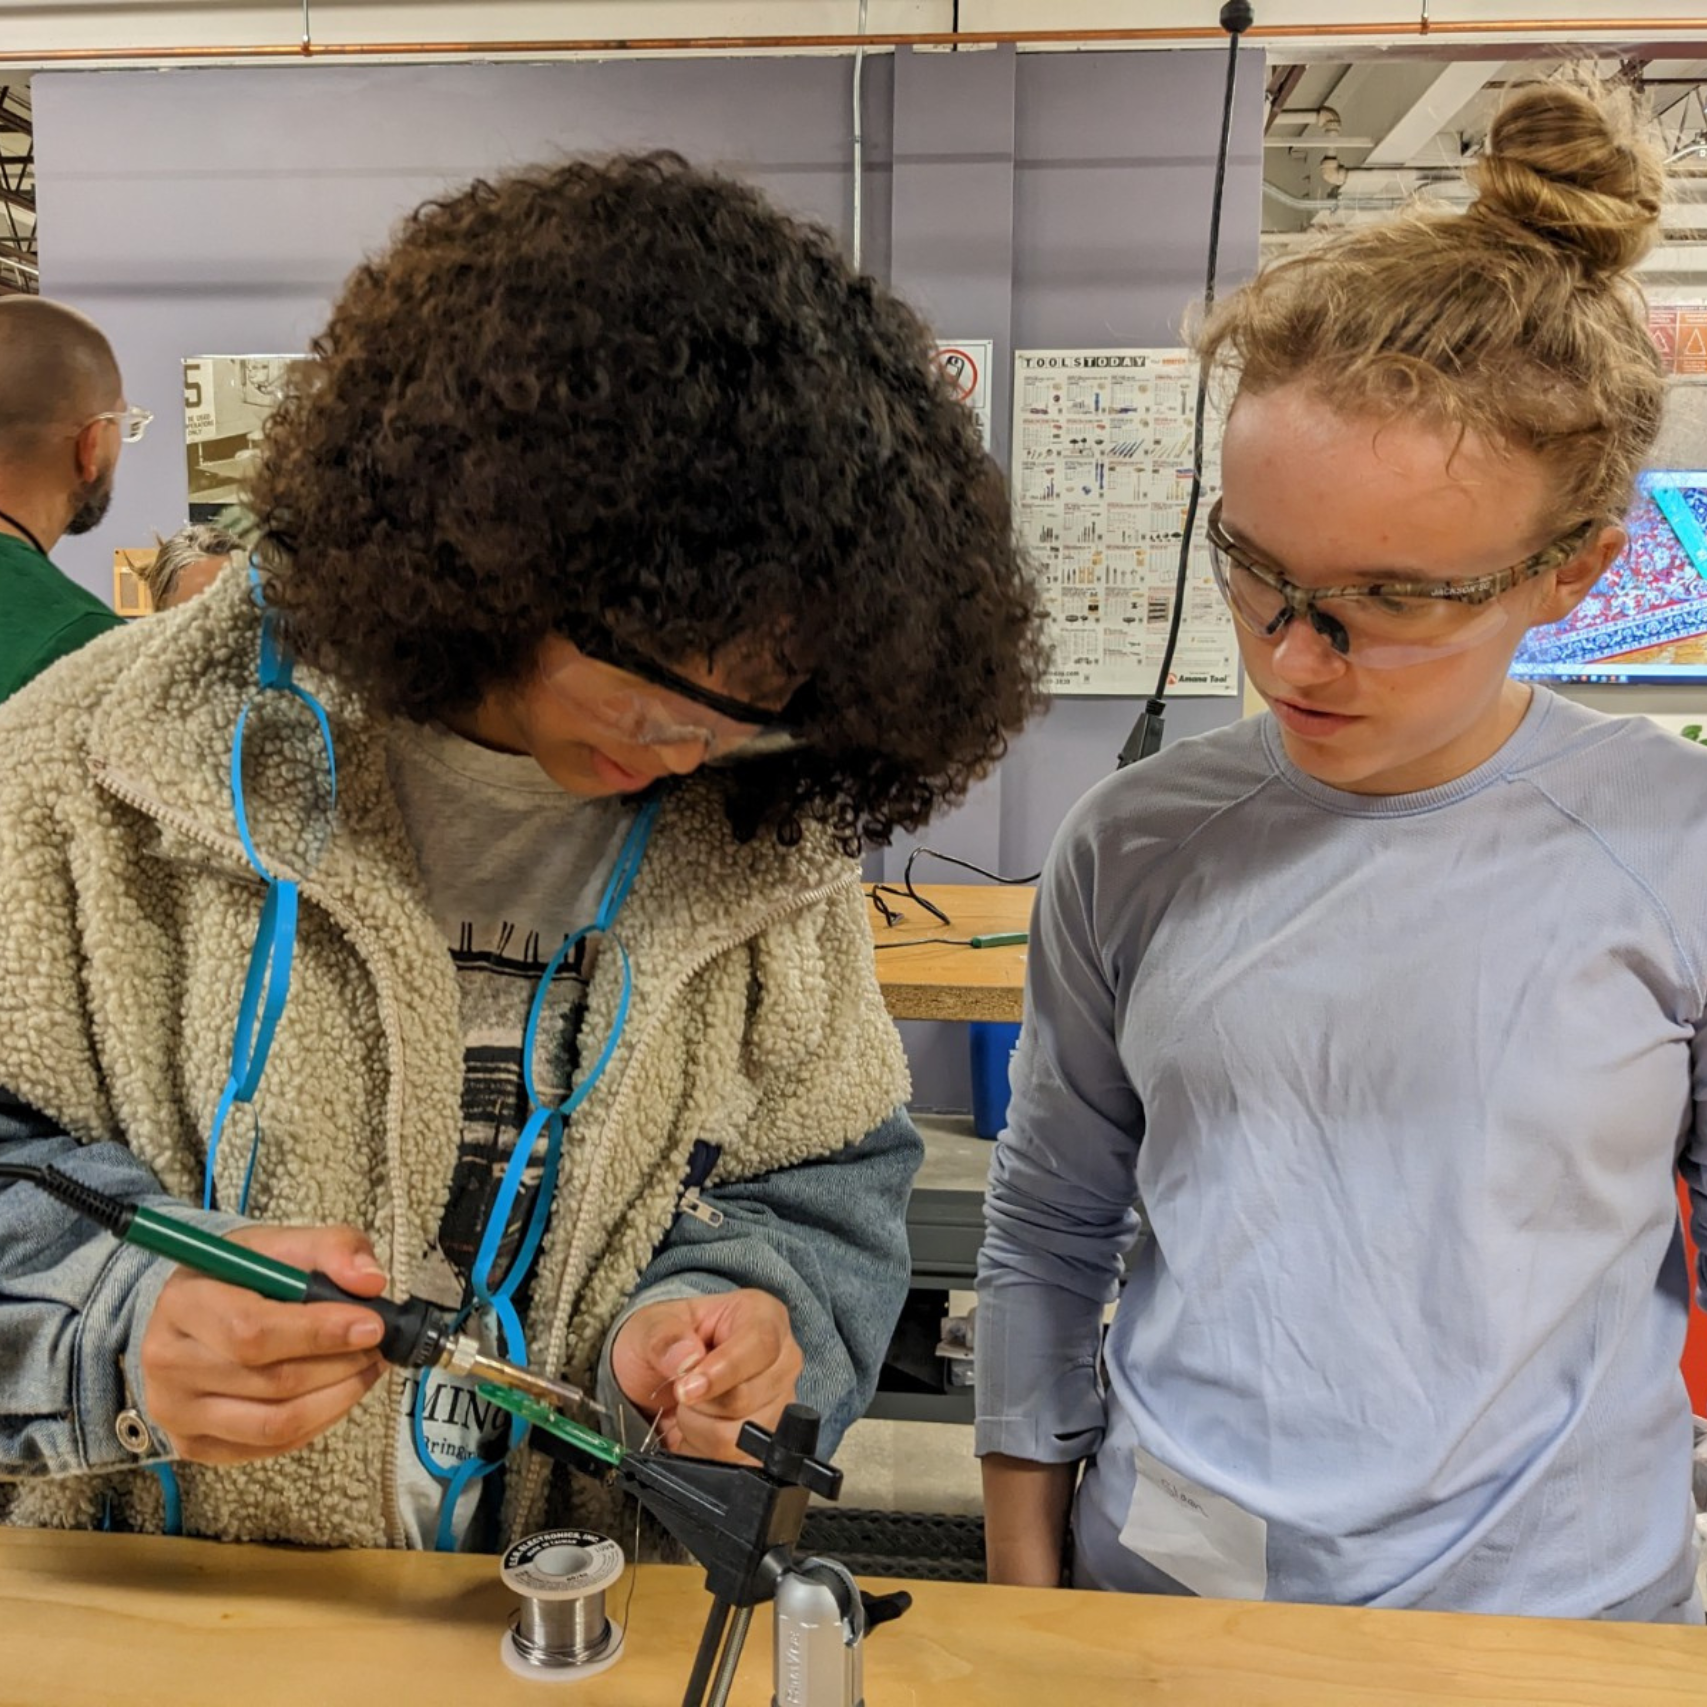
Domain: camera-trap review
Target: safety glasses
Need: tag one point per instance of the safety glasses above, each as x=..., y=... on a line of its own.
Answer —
x=647, y=704
x=132, y=422
x=1382, y=624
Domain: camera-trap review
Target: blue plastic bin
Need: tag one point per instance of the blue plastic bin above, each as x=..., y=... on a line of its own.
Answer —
x=993, y=1045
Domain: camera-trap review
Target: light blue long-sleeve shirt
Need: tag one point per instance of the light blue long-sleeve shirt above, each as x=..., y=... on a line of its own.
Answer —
x=1404, y=1084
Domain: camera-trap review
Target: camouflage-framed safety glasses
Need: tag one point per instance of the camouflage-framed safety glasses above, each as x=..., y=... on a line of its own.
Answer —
x=1384, y=624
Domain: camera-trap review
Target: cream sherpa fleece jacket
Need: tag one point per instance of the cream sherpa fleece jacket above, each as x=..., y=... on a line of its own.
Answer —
x=127, y=912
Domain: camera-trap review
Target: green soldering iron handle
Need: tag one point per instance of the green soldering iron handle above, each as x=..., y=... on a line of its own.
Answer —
x=219, y=1259
x=414, y=1330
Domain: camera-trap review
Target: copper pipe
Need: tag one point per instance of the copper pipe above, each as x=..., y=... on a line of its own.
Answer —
x=1627, y=29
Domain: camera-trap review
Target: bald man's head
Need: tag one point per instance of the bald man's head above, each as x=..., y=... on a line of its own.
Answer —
x=56, y=370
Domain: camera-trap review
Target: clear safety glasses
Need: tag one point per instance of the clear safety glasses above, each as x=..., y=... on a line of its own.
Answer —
x=1383, y=624
x=132, y=422
x=645, y=704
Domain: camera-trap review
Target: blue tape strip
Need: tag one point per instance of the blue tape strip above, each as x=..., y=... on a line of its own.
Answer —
x=249, y=1166
x=627, y=867
x=239, y=802
x=174, y=1524
x=266, y=988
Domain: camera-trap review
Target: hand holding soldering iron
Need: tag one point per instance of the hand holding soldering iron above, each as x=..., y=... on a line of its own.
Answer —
x=230, y=1376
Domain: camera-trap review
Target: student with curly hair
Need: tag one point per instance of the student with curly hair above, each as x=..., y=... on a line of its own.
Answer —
x=1390, y=1006
x=641, y=568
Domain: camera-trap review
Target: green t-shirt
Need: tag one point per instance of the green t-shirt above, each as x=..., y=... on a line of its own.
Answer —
x=43, y=614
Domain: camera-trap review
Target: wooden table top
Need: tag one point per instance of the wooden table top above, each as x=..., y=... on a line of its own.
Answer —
x=94, y=1620
x=940, y=981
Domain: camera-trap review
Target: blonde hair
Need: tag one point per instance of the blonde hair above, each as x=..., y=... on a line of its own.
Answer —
x=173, y=556
x=1516, y=320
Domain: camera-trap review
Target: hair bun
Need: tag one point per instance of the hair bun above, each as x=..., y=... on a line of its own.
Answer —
x=1571, y=163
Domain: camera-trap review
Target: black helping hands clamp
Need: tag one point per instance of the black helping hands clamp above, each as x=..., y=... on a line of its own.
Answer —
x=742, y=1523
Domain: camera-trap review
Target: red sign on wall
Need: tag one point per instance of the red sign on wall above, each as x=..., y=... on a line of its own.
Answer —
x=1691, y=341
x=1662, y=328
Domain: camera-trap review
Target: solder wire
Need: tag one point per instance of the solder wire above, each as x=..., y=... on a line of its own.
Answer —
x=561, y=1632
x=634, y=1558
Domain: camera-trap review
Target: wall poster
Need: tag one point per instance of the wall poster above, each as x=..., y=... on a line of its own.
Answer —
x=1101, y=478
x=227, y=400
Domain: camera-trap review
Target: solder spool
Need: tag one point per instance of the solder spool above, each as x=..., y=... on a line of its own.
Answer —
x=561, y=1632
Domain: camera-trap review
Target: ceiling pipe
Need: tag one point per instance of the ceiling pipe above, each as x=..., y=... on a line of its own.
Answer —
x=1327, y=204
x=1575, y=29
x=1315, y=142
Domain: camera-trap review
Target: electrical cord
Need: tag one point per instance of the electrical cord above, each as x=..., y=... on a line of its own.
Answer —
x=892, y=917
x=964, y=864
x=1146, y=737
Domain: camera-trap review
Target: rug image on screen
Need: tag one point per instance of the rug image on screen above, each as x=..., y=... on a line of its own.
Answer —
x=1646, y=620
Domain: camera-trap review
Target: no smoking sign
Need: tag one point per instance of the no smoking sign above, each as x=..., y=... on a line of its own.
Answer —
x=967, y=367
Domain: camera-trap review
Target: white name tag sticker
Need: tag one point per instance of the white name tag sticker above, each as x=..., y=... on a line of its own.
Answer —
x=1199, y=1538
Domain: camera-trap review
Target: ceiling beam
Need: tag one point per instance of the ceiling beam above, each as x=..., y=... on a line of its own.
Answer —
x=1445, y=99
x=1286, y=78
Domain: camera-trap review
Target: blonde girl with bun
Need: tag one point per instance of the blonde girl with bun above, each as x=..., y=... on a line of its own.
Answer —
x=1387, y=1005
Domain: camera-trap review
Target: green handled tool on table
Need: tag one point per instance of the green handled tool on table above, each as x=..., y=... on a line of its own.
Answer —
x=418, y=1334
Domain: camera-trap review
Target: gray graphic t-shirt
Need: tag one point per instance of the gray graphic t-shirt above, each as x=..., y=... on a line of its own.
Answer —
x=512, y=865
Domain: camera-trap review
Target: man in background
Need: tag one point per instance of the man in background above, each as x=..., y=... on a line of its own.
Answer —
x=63, y=419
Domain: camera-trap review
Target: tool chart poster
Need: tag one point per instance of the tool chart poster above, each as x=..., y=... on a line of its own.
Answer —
x=1102, y=449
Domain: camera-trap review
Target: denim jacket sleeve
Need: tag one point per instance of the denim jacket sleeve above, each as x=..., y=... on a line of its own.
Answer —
x=74, y=1304
x=828, y=1238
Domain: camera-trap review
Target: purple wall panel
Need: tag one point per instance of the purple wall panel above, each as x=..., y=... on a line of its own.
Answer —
x=217, y=211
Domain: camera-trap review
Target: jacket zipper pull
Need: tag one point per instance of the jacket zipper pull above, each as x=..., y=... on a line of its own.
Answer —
x=691, y=1203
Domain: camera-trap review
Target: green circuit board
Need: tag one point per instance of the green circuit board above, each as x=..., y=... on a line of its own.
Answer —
x=529, y=1409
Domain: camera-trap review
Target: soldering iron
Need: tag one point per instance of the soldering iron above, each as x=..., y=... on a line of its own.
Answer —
x=418, y=1334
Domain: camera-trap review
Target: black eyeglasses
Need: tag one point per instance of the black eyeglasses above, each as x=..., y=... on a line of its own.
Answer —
x=725, y=705
x=772, y=731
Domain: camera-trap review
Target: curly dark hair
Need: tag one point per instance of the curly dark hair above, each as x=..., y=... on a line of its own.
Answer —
x=630, y=403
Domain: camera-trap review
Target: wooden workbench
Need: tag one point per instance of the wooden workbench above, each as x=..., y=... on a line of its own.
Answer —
x=946, y=982
x=94, y=1620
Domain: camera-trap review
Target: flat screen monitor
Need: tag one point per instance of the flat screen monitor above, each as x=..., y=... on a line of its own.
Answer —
x=1646, y=621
